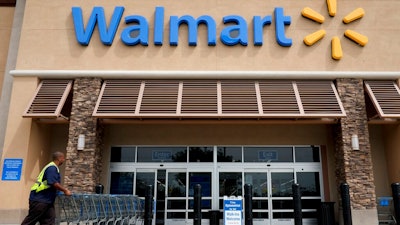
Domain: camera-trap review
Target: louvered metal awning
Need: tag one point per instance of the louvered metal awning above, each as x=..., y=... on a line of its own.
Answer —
x=385, y=96
x=49, y=99
x=218, y=99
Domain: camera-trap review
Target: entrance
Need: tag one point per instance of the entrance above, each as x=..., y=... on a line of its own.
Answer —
x=271, y=184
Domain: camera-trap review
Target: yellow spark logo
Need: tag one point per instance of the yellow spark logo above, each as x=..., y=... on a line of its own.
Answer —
x=337, y=52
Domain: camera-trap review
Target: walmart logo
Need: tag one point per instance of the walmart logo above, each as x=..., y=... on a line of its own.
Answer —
x=337, y=52
x=235, y=31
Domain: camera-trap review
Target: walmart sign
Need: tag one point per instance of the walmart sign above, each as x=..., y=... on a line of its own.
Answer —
x=137, y=30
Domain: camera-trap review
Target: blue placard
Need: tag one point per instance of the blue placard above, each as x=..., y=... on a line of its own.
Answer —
x=233, y=211
x=12, y=169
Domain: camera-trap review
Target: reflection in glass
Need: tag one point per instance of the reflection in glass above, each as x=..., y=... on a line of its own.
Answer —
x=176, y=184
x=176, y=204
x=229, y=154
x=176, y=215
x=282, y=215
x=259, y=182
x=309, y=183
x=268, y=154
x=201, y=154
x=161, y=154
x=282, y=204
x=307, y=154
x=143, y=179
x=160, y=197
x=230, y=184
x=260, y=204
x=260, y=215
x=121, y=183
x=122, y=154
x=204, y=179
x=282, y=184
x=205, y=204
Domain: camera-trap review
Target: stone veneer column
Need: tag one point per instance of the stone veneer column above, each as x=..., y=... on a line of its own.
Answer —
x=352, y=166
x=83, y=167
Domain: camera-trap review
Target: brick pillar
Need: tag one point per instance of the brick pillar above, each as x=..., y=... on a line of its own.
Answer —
x=352, y=166
x=83, y=167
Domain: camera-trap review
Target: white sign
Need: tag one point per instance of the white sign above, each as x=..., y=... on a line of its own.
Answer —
x=233, y=207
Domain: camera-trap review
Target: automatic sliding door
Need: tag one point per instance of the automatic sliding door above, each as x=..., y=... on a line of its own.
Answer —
x=259, y=181
x=176, y=198
x=206, y=181
x=281, y=196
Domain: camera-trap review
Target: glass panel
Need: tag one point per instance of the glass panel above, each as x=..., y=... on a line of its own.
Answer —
x=268, y=154
x=200, y=154
x=260, y=215
x=204, y=215
x=229, y=154
x=160, y=205
x=122, y=154
x=176, y=215
x=143, y=179
x=282, y=215
x=260, y=204
x=259, y=182
x=176, y=184
x=309, y=183
x=204, y=179
x=205, y=204
x=162, y=154
x=282, y=184
x=307, y=154
x=230, y=184
x=122, y=183
x=282, y=204
x=176, y=204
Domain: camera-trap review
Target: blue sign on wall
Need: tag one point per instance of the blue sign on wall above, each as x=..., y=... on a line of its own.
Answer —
x=267, y=155
x=12, y=169
x=162, y=156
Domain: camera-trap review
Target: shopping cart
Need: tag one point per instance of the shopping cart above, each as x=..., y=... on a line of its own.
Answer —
x=98, y=209
x=67, y=210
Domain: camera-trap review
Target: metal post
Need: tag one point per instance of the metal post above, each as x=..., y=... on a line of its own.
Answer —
x=298, y=216
x=197, y=205
x=248, y=204
x=148, y=205
x=344, y=192
x=396, y=200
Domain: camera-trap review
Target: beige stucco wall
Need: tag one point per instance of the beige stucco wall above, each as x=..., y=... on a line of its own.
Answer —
x=379, y=159
x=392, y=133
x=6, y=20
x=25, y=140
x=48, y=38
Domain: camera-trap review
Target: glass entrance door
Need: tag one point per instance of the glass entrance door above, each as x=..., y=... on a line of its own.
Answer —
x=179, y=198
x=224, y=172
x=281, y=202
x=272, y=192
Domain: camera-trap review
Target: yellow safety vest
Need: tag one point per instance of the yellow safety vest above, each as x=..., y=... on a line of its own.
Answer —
x=41, y=185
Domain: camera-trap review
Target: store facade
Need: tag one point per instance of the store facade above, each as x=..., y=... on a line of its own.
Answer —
x=171, y=95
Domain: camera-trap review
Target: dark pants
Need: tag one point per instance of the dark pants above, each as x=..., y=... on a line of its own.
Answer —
x=44, y=213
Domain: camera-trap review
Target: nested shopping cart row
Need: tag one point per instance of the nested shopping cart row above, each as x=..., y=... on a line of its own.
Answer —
x=99, y=209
